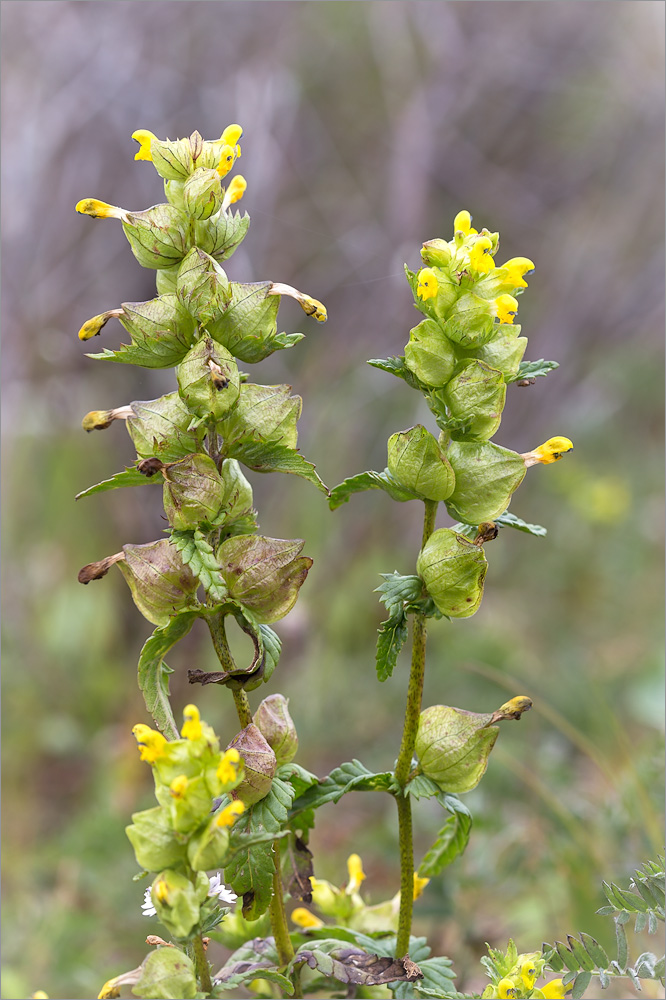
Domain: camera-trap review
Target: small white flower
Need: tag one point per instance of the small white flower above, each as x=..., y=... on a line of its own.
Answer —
x=218, y=888
x=147, y=907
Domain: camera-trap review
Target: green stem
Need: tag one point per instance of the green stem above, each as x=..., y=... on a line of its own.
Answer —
x=201, y=965
x=278, y=915
x=404, y=764
x=219, y=636
x=242, y=707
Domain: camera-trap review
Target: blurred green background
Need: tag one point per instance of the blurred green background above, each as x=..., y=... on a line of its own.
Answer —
x=368, y=125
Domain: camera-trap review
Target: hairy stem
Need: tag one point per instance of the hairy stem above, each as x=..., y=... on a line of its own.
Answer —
x=242, y=707
x=201, y=965
x=278, y=916
x=403, y=766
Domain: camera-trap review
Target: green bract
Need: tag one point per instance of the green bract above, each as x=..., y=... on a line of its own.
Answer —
x=202, y=193
x=417, y=462
x=155, y=842
x=486, y=477
x=178, y=901
x=260, y=764
x=263, y=574
x=276, y=726
x=193, y=491
x=430, y=354
x=208, y=379
x=161, y=584
x=453, y=746
x=475, y=396
x=159, y=428
x=159, y=237
x=453, y=570
x=202, y=286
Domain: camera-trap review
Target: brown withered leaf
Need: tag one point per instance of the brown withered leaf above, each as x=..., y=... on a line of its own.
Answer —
x=301, y=869
x=96, y=570
x=351, y=965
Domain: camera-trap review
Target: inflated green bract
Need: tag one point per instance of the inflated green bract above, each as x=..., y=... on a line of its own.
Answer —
x=155, y=842
x=453, y=745
x=208, y=379
x=416, y=460
x=160, y=582
x=263, y=574
x=475, y=396
x=486, y=477
x=202, y=286
x=273, y=720
x=260, y=765
x=430, y=354
x=453, y=570
x=193, y=491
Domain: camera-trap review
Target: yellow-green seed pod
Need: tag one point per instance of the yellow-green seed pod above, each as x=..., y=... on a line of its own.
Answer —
x=470, y=321
x=453, y=570
x=208, y=379
x=430, y=354
x=453, y=746
x=486, y=477
x=202, y=193
x=416, y=460
x=263, y=574
x=159, y=236
x=237, y=500
x=193, y=491
x=476, y=395
x=266, y=413
x=202, y=286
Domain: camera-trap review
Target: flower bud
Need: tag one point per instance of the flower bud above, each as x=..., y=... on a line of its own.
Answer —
x=93, y=327
x=208, y=847
x=310, y=306
x=434, y=291
x=275, y=724
x=202, y=286
x=160, y=583
x=453, y=746
x=155, y=842
x=260, y=765
x=263, y=574
x=100, y=209
x=476, y=396
x=222, y=234
x=208, y=379
x=453, y=570
x=99, y=420
x=159, y=236
x=193, y=491
x=436, y=253
x=470, y=321
x=190, y=804
x=234, y=192
x=430, y=354
x=177, y=901
x=159, y=428
x=202, y=193
x=417, y=462
x=486, y=477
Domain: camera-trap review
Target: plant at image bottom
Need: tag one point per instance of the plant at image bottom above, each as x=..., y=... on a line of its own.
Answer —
x=226, y=847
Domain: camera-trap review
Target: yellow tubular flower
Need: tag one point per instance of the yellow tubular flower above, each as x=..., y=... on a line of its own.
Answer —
x=99, y=209
x=419, y=885
x=151, y=743
x=507, y=307
x=162, y=891
x=227, y=160
x=227, y=770
x=356, y=873
x=144, y=138
x=192, y=726
x=230, y=137
x=517, y=268
x=309, y=305
x=551, y=450
x=479, y=255
x=109, y=991
x=236, y=189
x=92, y=327
x=554, y=990
x=230, y=813
x=463, y=224
x=528, y=974
x=427, y=284
x=306, y=920
x=178, y=786
x=507, y=989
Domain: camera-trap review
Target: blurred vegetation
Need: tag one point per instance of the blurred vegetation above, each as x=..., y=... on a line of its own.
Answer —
x=368, y=125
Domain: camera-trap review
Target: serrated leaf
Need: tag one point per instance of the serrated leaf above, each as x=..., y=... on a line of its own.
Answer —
x=507, y=520
x=532, y=369
x=391, y=637
x=154, y=673
x=130, y=477
x=369, y=481
x=398, y=589
x=451, y=840
x=581, y=983
x=422, y=787
x=262, y=457
x=396, y=366
x=349, y=776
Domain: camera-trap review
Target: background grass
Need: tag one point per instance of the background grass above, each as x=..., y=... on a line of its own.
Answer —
x=368, y=125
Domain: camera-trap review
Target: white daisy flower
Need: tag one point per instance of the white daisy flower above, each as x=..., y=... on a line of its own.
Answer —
x=217, y=888
x=147, y=907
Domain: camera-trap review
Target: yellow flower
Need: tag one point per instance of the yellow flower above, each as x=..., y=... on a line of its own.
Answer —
x=463, y=224
x=427, y=284
x=227, y=770
x=554, y=990
x=109, y=991
x=178, y=786
x=306, y=920
x=151, y=743
x=507, y=989
x=551, y=450
x=144, y=138
x=230, y=137
x=310, y=306
x=39, y=995
x=192, y=726
x=507, y=307
x=528, y=972
x=517, y=267
x=93, y=326
x=419, y=885
x=356, y=874
x=230, y=813
x=227, y=160
x=479, y=256
x=235, y=191
x=99, y=209
x=161, y=891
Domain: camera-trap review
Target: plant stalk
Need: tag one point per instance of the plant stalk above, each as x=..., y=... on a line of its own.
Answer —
x=403, y=766
x=242, y=707
x=201, y=965
x=278, y=915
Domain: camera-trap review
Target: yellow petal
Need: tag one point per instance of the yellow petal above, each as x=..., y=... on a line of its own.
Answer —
x=144, y=138
x=463, y=223
x=427, y=283
x=552, y=450
x=356, y=873
x=227, y=160
x=507, y=989
x=231, y=135
x=528, y=972
x=554, y=990
x=517, y=267
x=506, y=307
x=178, y=786
x=236, y=189
x=230, y=813
x=99, y=209
x=192, y=726
x=227, y=770
x=303, y=918
x=419, y=885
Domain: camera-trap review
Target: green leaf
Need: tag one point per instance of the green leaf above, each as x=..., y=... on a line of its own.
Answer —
x=130, y=477
x=348, y=777
x=297, y=776
x=398, y=589
x=255, y=959
x=584, y=959
x=153, y=671
x=261, y=457
x=369, y=481
x=167, y=974
x=621, y=939
x=272, y=648
x=451, y=840
x=594, y=949
x=532, y=369
x=391, y=637
x=581, y=983
x=198, y=554
x=251, y=870
x=422, y=787
x=625, y=900
x=397, y=367
x=438, y=976
x=507, y=520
